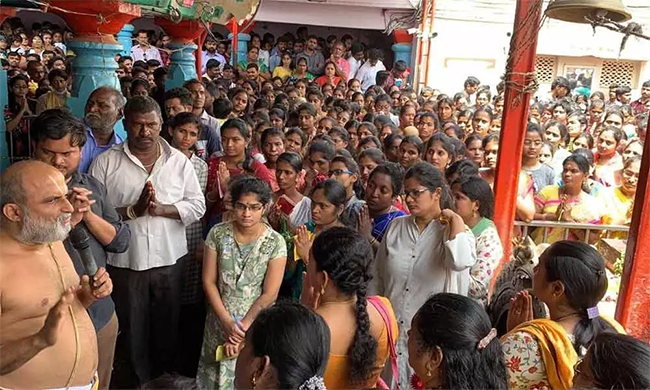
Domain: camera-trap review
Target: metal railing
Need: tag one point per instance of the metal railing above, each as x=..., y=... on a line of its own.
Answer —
x=567, y=226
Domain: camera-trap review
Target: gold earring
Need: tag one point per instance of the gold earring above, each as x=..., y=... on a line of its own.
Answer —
x=322, y=290
x=428, y=373
x=253, y=382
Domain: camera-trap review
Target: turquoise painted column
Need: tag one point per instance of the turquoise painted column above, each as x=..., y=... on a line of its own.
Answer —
x=4, y=97
x=182, y=66
x=402, y=52
x=125, y=37
x=242, y=46
x=94, y=66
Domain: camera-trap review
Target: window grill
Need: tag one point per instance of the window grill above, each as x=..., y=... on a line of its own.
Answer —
x=545, y=69
x=616, y=72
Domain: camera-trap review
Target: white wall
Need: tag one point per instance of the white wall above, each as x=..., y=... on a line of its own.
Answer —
x=464, y=49
x=479, y=48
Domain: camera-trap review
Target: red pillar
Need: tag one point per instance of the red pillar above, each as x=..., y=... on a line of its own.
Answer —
x=234, y=30
x=633, y=308
x=187, y=31
x=198, y=54
x=523, y=46
x=95, y=21
x=6, y=13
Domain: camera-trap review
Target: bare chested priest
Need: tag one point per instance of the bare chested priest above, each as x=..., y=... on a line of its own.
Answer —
x=47, y=340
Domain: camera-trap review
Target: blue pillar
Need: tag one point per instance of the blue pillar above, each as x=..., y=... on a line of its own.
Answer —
x=125, y=37
x=94, y=66
x=402, y=52
x=4, y=97
x=182, y=67
x=242, y=46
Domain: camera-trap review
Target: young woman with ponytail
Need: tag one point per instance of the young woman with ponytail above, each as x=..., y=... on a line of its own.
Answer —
x=428, y=252
x=336, y=287
x=570, y=279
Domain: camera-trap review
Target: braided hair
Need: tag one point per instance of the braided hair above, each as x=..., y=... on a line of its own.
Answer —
x=345, y=255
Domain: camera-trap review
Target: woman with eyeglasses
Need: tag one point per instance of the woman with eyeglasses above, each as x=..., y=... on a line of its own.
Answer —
x=243, y=264
x=427, y=252
x=541, y=353
x=615, y=362
x=619, y=201
x=346, y=171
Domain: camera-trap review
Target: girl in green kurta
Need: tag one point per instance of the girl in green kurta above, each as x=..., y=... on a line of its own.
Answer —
x=243, y=265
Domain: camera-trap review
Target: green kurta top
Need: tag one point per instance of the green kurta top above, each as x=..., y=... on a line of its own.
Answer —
x=242, y=269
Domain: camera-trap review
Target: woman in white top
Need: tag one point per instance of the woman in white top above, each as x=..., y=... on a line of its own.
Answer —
x=428, y=252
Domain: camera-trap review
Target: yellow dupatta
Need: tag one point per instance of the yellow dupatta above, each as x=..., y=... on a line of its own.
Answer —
x=556, y=348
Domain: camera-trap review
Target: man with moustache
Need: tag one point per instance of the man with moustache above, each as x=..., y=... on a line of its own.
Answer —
x=104, y=108
x=58, y=138
x=47, y=339
x=155, y=189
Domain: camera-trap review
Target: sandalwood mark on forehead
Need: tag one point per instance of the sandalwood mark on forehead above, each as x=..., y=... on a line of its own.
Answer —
x=59, y=184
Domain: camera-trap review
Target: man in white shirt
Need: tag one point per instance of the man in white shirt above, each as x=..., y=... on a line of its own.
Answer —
x=155, y=189
x=367, y=73
x=355, y=60
x=143, y=51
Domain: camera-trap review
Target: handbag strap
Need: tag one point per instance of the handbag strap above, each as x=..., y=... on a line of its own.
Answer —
x=383, y=311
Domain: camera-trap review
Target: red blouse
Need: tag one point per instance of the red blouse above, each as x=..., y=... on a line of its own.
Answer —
x=257, y=169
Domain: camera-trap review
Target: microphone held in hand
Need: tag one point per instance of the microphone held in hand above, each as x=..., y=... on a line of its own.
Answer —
x=81, y=242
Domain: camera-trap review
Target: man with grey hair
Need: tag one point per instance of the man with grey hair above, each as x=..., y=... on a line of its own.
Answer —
x=48, y=340
x=105, y=106
x=155, y=189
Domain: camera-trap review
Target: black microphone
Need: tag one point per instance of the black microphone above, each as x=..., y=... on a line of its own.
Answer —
x=80, y=241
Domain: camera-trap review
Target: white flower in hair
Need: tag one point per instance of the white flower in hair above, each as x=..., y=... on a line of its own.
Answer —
x=313, y=383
